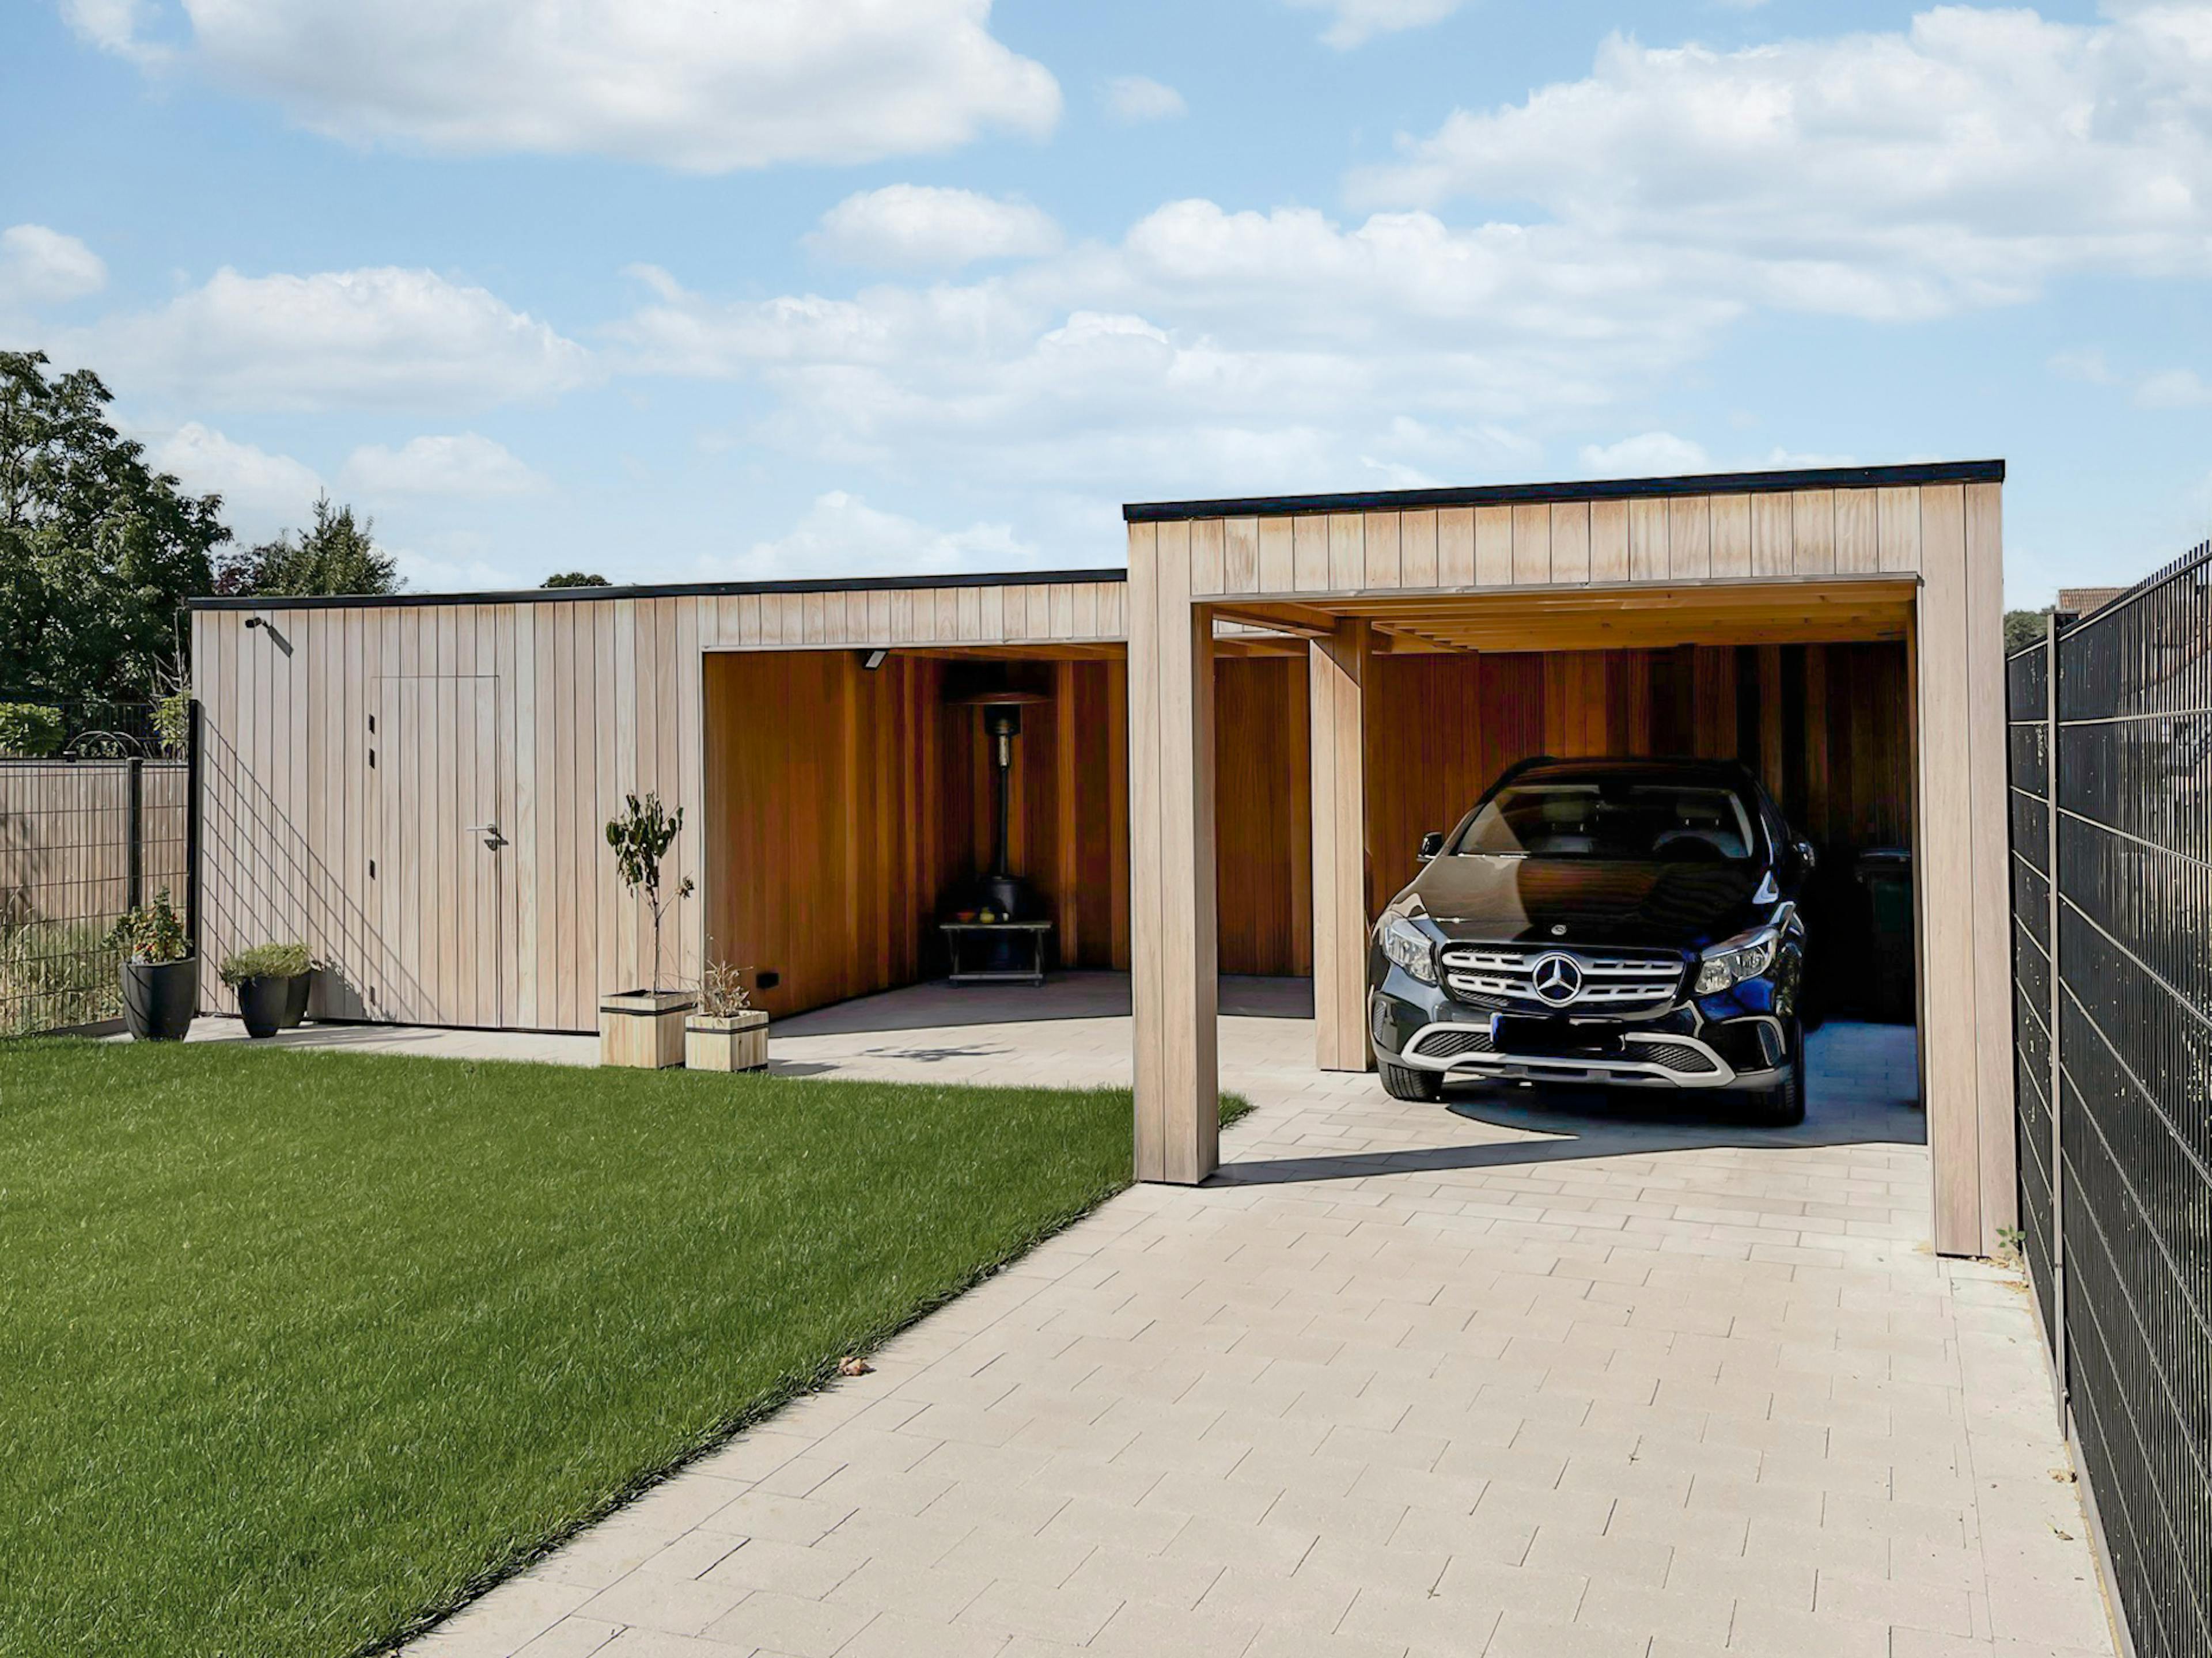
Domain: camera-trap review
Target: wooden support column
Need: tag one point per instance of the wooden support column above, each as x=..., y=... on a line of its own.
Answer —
x=1337, y=669
x=1171, y=869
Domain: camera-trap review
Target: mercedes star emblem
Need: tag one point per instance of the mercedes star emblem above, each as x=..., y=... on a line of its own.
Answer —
x=1557, y=978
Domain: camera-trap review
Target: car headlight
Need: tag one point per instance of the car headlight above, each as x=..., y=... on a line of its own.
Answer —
x=1408, y=948
x=1747, y=956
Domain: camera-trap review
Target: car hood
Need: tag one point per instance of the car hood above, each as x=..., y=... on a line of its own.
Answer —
x=1572, y=900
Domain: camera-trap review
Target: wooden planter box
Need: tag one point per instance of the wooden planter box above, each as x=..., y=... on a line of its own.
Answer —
x=737, y=1041
x=644, y=1028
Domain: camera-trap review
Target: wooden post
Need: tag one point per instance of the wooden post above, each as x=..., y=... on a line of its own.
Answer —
x=1172, y=870
x=1337, y=685
x=1991, y=837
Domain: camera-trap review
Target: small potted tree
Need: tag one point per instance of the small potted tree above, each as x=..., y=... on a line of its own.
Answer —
x=645, y=1028
x=160, y=978
x=271, y=983
x=727, y=1033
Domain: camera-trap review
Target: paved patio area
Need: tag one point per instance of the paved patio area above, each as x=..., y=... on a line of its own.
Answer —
x=1499, y=1378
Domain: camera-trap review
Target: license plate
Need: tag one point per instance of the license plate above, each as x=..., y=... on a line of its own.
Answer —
x=1553, y=1039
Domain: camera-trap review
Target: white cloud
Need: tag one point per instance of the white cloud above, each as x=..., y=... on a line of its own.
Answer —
x=1357, y=21
x=261, y=492
x=1140, y=98
x=706, y=86
x=384, y=337
x=2175, y=388
x=465, y=466
x=923, y=225
x=842, y=535
x=1883, y=175
x=39, y=267
x=1648, y=454
x=114, y=26
x=2084, y=363
x=459, y=562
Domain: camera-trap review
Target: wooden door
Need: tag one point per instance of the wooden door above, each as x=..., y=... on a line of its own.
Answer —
x=443, y=791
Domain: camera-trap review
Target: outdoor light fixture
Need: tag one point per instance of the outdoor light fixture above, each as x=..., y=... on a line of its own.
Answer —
x=256, y=622
x=873, y=660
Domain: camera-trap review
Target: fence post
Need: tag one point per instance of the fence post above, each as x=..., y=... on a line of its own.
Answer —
x=134, y=865
x=2056, y=1011
x=192, y=751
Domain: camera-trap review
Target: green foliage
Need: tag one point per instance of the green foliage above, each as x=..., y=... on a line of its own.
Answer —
x=641, y=836
x=337, y=554
x=98, y=551
x=2023, y=629
x=265, y=961
x=153, y=933
x=173, y=723
x=30, y=730
x=303, y=1347
x=575, y=578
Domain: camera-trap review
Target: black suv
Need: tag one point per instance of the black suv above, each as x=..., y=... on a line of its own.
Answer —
x=1632, y=923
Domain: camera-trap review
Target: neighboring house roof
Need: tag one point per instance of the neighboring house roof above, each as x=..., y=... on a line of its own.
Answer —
x=2081, y=601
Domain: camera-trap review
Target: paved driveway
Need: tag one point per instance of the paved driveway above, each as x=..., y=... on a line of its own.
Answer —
x=1408, y=1379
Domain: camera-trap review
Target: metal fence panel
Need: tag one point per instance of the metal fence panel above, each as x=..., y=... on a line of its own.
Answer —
x=2113, y=1020
x=95, y=815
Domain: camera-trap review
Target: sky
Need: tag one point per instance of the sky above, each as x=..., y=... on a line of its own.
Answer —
x=737, y=289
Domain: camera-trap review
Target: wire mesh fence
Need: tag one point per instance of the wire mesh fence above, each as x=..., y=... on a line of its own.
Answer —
x=94, y=816
x=2111, y=751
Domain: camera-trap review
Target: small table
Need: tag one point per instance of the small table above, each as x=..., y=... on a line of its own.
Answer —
x=1034, y=934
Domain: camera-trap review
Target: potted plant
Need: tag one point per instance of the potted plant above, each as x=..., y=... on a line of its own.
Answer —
x=645, y=1028
x=161, y=979
x=728, y=1033
x=271, y=983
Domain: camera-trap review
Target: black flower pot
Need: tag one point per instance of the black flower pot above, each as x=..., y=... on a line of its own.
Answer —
x=265, y=1002
x=295, y=998
x=159, y=999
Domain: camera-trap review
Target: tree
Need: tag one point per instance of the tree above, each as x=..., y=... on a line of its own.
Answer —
x=337, y=554
x=98, y=551
x=574, y=579
x=2023, y=629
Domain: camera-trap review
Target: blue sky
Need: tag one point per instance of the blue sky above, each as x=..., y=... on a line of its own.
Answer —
x=779, y=288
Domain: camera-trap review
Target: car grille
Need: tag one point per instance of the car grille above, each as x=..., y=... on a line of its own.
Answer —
x=1493, y=975
x=1451, y=1044
x=1690, y=1061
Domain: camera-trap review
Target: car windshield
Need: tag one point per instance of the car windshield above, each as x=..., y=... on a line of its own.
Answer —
x=1688, y=822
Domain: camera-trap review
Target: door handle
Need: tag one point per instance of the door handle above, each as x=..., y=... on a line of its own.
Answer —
x=493, y=839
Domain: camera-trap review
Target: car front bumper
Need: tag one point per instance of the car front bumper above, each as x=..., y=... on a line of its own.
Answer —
x=1733, y=1040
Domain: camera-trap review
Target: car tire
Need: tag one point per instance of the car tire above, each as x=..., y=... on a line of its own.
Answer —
x=1402, y=1082
x=1783, y=1105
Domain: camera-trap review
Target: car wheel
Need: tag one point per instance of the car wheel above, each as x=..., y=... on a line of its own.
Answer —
x=1784, y=1106
x=1402, y=1082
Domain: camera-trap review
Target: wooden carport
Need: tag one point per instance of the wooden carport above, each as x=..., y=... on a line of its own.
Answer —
x=1910, y=553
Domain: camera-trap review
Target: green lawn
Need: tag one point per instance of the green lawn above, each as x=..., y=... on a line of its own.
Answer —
x=298, y=1348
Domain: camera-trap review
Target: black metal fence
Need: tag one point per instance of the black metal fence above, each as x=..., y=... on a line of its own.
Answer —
x=2110, y=748
x=95, y=816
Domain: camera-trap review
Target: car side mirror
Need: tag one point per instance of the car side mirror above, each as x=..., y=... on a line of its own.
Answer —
x=1807, y=860
x=1432, y=844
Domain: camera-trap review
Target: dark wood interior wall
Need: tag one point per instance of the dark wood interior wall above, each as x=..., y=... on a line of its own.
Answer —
x=1263, y=815
x=1827, y=727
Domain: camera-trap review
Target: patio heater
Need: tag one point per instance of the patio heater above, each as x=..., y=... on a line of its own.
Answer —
x=999, y=890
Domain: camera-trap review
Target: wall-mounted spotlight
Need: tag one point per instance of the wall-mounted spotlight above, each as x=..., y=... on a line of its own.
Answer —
x=256, y=622
x=873, y=660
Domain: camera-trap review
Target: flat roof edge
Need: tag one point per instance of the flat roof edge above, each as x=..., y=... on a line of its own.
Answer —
x=1708, y=483
x=673, y=590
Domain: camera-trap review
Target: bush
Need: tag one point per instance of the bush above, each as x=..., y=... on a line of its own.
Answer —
x=30, y=730
x=265, y=961
x=153, y=933
x=53, y=975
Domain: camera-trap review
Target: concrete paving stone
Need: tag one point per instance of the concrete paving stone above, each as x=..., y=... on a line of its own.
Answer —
x=1624, y=1560
x=641, y=1642
x=1166, y=1579
x=789, y=1624
x=1519, y=1637
x=894, y=1635
x=785, y=1519
x=1275, y=1642
x=1906, y=1603
x=1275, y=1547
x=1770, y=1632
x=1140, y=1630
x=572, y=1638
x=1424, y=1623
x=677, y=1605
x=1008, y=1551
x=787, y=1568
x=1069, y=1613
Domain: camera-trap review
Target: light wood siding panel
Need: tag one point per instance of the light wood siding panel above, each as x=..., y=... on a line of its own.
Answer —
x=1771, y=550
x=1532, y=544
x=1308, y=553
x=1347, y=562
x=1382, y=537
x=1988, y=834
x=1812, y=531
x=1455, y=547
x=1571, y=541
x=1689, y=538
x=1493, y=546
x=1731, y=536
x=1647, y=540
x=1240, y=555
x=1417, y=540
x=1336, y=677
x=1858, y=537
x=1896, y=529
x=1609, y=559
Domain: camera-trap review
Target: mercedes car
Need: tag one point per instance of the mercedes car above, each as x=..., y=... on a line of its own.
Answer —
x=1615, y=923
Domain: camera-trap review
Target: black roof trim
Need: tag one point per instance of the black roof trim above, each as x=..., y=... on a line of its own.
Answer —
x=1493, y=495
x=869, y=584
